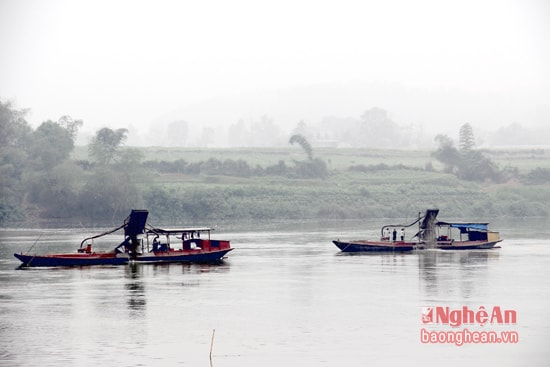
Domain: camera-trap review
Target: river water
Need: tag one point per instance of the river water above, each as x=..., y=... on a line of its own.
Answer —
x=285, y=295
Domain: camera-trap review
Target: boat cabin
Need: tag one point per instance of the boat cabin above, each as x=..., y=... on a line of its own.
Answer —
x=181, y=239
x=447, y=231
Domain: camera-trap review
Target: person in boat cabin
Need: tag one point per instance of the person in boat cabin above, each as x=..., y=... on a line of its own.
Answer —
x=394, y=234
x=402, y=234
x=387, y=234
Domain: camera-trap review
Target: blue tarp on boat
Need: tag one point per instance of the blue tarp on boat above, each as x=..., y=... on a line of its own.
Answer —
x=464, y=227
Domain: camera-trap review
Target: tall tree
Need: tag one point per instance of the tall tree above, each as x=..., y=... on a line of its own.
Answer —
x=447, y=153
x=15, y=135
x=14, y=129
x=302, y=141
x=466, y=138
x=104, y=146
x=51, y=145
x=71, y=125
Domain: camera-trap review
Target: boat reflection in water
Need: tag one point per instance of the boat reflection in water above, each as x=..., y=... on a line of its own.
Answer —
x=444, y=272
x=136, y=288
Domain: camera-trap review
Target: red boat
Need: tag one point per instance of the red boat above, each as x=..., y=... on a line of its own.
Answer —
x=72, y=259
x=182, y=245
x=142, y=243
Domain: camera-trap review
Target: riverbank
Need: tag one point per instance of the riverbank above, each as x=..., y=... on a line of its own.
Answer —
x=358, y=184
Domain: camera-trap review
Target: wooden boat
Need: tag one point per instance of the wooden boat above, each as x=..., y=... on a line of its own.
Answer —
x=137, y=247
x=133, y=226
x=375, y=246
x=431, y=234
x=72, y=259
x=465, y=236
x=392, y=239
x=190, y=245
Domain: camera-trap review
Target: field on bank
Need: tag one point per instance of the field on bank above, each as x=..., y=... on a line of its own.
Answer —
x=395, y=183
x=525, y=159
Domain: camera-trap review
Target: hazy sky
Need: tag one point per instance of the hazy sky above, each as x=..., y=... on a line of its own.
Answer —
x=122, y=63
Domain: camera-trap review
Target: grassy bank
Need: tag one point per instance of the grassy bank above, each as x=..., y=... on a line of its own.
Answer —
x=399, y=188
x=388, y=183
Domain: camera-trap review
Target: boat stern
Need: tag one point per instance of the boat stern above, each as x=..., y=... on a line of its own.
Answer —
x=493, y=237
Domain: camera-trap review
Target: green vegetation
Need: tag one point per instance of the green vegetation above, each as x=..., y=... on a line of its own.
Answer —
x=466, y=162
x=43, y=176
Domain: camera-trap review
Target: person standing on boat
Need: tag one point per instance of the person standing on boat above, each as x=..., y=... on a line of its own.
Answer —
x=387, y=233
x=394, y=234
x=402, y=234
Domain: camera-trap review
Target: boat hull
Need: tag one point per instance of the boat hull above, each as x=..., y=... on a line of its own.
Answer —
x=374, y=246
x=65, y=260
x=71, y=260
x=466, y=245
x=183, y=256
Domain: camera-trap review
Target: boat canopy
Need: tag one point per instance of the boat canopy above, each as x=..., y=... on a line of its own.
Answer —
x=464, y=227
x=172, y=231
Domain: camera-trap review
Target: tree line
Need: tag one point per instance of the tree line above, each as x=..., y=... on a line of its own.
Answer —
x=39, y=179
x=37, y=175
